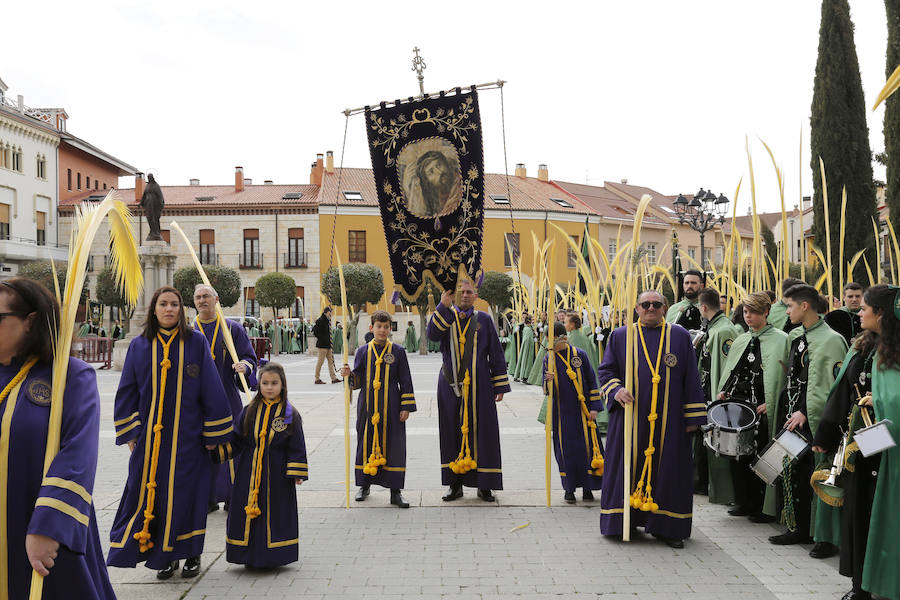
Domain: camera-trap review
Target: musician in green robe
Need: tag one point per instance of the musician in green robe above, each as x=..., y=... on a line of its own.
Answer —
x=715, y=345
x=337, y=338
x=778, y=317
x=514, y=340
x=762, y=348
x=686, y=312
x=526, y=351
x=536, y=375
x=411, y=343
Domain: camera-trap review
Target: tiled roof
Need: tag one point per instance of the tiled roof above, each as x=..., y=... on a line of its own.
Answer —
x=605, y=203
x=124, y=168
x=222, y=195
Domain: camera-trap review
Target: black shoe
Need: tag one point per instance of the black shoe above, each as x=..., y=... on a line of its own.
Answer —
x=397, y=499
x=486, y=495
x=569, y=497
x=191, y=567
x=453, y=492
x=701, y=489
x=362, y=494
x=674, y=543
x=226, y=506
x=168, y=571
x=857, y=595
x=823, y=550
x=761, y=517
x=587, y=495
x=789, y=538
x=212, y=507
x=739, y=511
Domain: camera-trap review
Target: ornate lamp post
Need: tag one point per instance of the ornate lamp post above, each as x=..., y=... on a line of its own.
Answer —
x=701, y=213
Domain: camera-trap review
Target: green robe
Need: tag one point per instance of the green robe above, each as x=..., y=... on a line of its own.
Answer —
x=85, y=329
x=337, y=341
x=778, y=315
x=285, y=338
x=526, y=354
x=774, y=346
x=295, y=340
x=880, y=573
x=827, y=349
x=254, y=332
x=536, y=375
x=676, y=309
x=271, y=332
x=411, y=343
x=720, y=336
x=511, y=352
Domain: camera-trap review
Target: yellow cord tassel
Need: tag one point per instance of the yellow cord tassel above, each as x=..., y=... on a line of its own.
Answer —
x=642, y=498
x=143, y=536
x=376, y=457
x=252, y=508
x=464, y=461
x=596, y=456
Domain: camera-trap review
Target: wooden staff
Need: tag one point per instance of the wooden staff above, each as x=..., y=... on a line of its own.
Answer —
x=346, y=379
x=226, y=331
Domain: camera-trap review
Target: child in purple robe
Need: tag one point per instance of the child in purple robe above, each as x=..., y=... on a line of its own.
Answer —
x=270, y=461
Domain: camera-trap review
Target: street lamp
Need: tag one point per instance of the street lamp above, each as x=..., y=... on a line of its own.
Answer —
x=701, y=213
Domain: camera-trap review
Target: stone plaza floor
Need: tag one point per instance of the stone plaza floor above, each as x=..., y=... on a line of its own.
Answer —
x=467, y=549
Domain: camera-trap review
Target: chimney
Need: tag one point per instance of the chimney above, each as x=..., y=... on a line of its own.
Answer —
x=807, y=202
x=624, y=181
x=138, y=186
x=520, y=170
x=315, y=174
x=248, y=181
x=543, y=173
x=267, y=182
x=329, y=162
x=239, y=179
x=195, y=182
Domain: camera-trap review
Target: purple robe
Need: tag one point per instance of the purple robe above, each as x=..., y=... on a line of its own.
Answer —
x=572, y=442
x=59, y=505
x=680, y=404
x=199, y=416
x=271, y=538
x=487, y=369
x=223, y=475
x=396, y=382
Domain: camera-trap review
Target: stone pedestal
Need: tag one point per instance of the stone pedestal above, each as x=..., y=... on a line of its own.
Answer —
x=158, y=264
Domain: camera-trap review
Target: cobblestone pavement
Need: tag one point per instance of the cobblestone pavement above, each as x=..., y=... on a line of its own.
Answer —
x=470, y=549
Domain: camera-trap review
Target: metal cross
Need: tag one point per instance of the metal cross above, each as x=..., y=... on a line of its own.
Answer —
x=419, y=66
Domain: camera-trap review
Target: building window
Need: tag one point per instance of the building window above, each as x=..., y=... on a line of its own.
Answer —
x=296, y=254
x=692, y=252
x=251, y=306
x=96, y=184
x=356, y=240
x=208, y=246
x=251, y=258
x=720, y=255
x=707, y=257
x=42, y=167
x=651, y=252
x=41, y=219
x=511, y=250
x=104, y=186
x=69, y=180
x=611, y=248
x=299, y=302
x=87, y=182
x=353, y=196
x=571, y=257
x=17, y=160
x=79, y=180
x=4, y=221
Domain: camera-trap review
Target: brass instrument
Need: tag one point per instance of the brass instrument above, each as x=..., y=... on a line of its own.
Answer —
x=824, y=482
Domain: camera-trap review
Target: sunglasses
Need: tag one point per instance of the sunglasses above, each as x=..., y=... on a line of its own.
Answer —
x=654, y=303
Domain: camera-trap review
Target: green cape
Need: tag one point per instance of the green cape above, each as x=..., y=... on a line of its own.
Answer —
x=536, y=375
x=778, y=315
x=337, y=340
x=526, y=354
x=511, y=353
x=679, y=307
x=411, y=344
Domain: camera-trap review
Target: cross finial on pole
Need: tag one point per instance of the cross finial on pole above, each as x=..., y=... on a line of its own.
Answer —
x=419, y=67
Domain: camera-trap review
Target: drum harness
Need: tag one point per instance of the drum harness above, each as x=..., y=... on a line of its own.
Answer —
x=795, y=386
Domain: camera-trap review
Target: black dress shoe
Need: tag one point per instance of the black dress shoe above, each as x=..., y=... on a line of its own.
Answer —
x=453, y=492
x=823, y=550
x=362, y=494
x=212, y=507
x=761, y=517
x=168, y=571
x=569, y=497
x=397, y=499
x=674, y=543
x=191, y=567
x=226, y=506
x=739, y=511
x=701, y=489
x=486, y=495
x=790, y=537
x=587, y=495
x=857, y=595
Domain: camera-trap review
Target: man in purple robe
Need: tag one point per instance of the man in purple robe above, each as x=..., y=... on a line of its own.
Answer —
x=473, y=379
x=207, y=322
x=669, y=406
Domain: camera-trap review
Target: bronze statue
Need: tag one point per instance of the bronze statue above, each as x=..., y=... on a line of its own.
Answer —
x=152, y=202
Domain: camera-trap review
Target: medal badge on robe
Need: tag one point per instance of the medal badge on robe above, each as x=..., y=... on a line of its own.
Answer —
x=428, y=167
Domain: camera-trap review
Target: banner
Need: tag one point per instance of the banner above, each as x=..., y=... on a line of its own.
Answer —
x=429, y=173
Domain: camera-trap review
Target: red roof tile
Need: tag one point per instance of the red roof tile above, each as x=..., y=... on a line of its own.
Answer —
x=222, y=195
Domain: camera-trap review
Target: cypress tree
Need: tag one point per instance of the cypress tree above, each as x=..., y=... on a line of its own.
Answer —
x=840, y=136
x=892, y=115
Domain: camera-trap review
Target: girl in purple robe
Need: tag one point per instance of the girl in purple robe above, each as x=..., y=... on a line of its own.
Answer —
x=170, y=404
x=270, y=456
x=47, y=523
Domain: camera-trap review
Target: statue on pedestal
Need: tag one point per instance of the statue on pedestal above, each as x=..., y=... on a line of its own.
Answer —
x=152, y=202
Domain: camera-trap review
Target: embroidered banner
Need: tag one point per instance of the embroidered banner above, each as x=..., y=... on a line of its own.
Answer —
x=429, y=172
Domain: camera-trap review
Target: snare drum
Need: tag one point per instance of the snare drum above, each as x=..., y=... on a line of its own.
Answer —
x=731, y=429
x=769, y=465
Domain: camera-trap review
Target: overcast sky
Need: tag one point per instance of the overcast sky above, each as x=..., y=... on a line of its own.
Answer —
x=662, y=93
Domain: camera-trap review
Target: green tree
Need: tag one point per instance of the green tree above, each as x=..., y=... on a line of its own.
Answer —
x=225, y=280
x=365, y=285
x=892, y=117
x=840, y=136
x=40, y=271
x=108, y=294
x=496, y=290
x=426, y=301
x=277, y=291
x=769, y=242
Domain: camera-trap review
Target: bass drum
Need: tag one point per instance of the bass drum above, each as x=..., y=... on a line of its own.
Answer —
x=731, y=429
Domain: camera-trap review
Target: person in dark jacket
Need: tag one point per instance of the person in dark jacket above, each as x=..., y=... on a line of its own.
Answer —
x=322, y=331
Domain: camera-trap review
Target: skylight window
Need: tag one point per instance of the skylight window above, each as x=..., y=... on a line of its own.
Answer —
x=292, y=196
x=561, y=202
x=354, y=196
x=499, y=199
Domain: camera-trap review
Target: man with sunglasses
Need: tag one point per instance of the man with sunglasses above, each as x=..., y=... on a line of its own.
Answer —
x=669, y=406
x=687, y=312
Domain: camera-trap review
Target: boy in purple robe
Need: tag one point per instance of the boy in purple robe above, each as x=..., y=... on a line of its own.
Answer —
x=207, y=322
x=576, y=402
x=48, y=522
x=170, y=404
x=381, y=373
x=670, y=405
x=473, y=379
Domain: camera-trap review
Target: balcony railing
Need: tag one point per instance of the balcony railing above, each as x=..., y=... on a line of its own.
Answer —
x=295, y=260
x=251, y=260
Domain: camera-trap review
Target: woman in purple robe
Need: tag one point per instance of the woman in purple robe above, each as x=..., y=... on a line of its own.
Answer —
x=666, y=411
x=170, y=404
x=47, y=523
